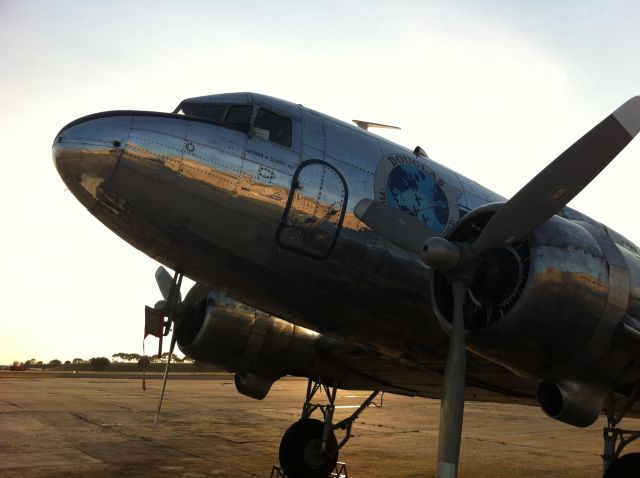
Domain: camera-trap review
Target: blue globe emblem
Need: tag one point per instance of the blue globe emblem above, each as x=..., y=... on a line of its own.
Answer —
x=412, y=190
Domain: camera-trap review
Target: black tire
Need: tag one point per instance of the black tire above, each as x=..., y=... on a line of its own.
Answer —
x=300, y=455
x=627, y=466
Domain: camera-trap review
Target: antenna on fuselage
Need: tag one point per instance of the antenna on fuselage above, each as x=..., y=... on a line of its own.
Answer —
x=419, y=151
x=368, y=124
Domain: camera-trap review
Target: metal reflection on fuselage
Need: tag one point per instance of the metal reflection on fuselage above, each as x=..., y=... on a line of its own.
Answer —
x=272, y=225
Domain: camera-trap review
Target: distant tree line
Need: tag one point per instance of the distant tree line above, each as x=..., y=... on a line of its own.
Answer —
x=103, y=363
x=39, y=363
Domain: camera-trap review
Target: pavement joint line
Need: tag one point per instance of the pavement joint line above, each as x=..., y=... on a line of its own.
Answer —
x=113, y=428
x=533, y=447
x=12, y=404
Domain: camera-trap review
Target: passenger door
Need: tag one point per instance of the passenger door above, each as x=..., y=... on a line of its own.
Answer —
x=315, y=210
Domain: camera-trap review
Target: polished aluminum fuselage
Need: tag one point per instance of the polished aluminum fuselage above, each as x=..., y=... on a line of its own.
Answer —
x=217, y=203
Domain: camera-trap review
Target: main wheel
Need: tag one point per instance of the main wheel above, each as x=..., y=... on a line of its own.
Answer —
x=300, y=451
x=627, y=466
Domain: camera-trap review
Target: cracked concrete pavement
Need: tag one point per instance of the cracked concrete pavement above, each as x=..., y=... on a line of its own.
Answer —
x=100, y=425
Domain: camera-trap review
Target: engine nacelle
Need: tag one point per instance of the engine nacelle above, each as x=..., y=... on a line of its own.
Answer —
x=256, y=346
x=548, y=306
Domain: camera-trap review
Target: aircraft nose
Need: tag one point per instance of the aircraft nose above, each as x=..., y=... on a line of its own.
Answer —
x=86, y=154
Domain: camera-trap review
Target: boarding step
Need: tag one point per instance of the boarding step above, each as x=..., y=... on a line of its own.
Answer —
x=339, y=472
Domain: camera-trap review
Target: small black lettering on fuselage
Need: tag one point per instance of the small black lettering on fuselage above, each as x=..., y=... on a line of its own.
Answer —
x=271, y=159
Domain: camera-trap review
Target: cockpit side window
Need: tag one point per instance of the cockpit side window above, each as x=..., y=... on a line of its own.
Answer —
x=205, y=111
x=239, y=116
x=273, y=127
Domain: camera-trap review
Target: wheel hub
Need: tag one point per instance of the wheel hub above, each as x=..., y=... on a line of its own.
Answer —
x=314, y=457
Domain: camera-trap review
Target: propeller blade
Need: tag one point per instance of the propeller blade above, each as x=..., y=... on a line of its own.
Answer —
x=562, y=180
x=397, y=226
x=452, y=403
x=174, y=338
x=164, y=280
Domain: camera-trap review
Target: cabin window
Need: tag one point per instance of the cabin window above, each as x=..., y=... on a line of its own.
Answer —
x=273, y=127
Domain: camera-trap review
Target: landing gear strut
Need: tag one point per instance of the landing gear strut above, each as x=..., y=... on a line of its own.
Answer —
x=615, y=440
x=309, y=448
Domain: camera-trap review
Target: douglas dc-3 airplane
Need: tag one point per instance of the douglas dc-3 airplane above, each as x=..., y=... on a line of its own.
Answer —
x=322, y=250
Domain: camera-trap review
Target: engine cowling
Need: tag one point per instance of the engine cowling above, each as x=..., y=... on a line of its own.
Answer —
x=547, y=306
x=258, y=347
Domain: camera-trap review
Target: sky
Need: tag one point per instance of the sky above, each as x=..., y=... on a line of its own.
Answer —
x=494, y=90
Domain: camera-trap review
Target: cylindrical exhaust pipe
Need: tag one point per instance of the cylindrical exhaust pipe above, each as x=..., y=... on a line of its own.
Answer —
x=576, y=403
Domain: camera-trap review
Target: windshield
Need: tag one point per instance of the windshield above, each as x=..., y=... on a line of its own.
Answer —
x=233, y=116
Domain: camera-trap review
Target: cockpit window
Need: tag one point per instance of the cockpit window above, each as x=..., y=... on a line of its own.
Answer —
x=267, y=125
x=273, y=127
x=205, y=110
x=239, y=116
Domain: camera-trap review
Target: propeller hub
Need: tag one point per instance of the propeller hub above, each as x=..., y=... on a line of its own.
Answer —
x=440, y=254
x=160, y=305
